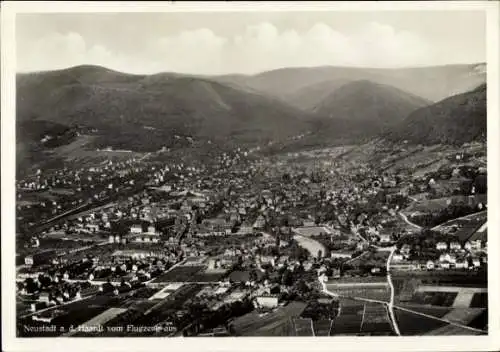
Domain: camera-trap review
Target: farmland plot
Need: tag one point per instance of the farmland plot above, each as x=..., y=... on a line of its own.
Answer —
x=435, y=311
x=347, y=324
x=303, y=327
x=276, y=323
x=453, y=330
x=376, y=320
x=463, y=315
x=377, y=290
x=322, y=327
x=179, y=274
x=411, y=324
x=443, y=299
x=480, y=322
x=479, y=300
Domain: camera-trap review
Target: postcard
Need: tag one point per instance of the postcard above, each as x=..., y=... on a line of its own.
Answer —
x=241, y=176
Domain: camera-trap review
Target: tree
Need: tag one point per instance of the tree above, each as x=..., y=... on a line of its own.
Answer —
x=287, y=278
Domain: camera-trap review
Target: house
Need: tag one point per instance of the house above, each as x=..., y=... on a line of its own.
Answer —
x=362, y=246
x=93, y=228
x=397, y=257
x=267, y=259
x=445, y=265
x=405, y=266
x=37, y=306
x=245, y=229
x=445, y=257
x=476, y=245
x=405, y=249
x=28, y=260
x=44, y=297
x=307, y=265
x=136, y=229
x=430, y=265
x=340, y=255
x=282, y=261
x=461, y=264
x=441, y=246
x=267, y=301
x=260, y=222
x=455, y=246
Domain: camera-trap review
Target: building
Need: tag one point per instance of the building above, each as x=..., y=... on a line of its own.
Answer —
x=385, y=238
x=461, y=264
x=259, y=223
x=340, y=255
x=93, y=228
x=267, y=301
x=136, y=229
x=397, y=257
x=467, y=246
x=409, y=266
x=245, y=230
x=441, y=246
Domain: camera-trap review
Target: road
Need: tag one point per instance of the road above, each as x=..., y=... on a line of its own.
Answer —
x=405, y=218
x=390, y=306
x=359, y=256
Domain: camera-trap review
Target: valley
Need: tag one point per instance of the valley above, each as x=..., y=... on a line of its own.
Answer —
x=320, y=201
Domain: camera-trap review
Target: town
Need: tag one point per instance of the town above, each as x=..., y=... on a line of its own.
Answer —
x=325, y=242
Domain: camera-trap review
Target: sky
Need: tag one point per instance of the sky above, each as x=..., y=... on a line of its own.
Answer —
x=248, y=42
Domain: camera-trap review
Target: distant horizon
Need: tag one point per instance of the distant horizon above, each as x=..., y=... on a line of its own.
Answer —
x=253, y=74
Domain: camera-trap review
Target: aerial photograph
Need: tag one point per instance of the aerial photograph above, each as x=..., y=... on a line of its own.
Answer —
x=251, y=173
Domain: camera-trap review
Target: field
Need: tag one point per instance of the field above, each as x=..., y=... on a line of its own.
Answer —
x=62, y=191
x=479, y=300
x=442, y=299
x=322, y=327
x=459, y=297
x=452, y=330
x=459, y=278
x=356, y=317
x=463, y=316
x=480, y=321
x=346, y=325
x=466, y=227
x=150, y=315
x=303, y=327
x=433, y=205
x=377, y=291
x=361, y=280
x=411, y=324
x=207, y=276
x=376, y=320
x=404, y=288
x=376, y=259
x=179, y=274
x=437, y=312
x=276, y=323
